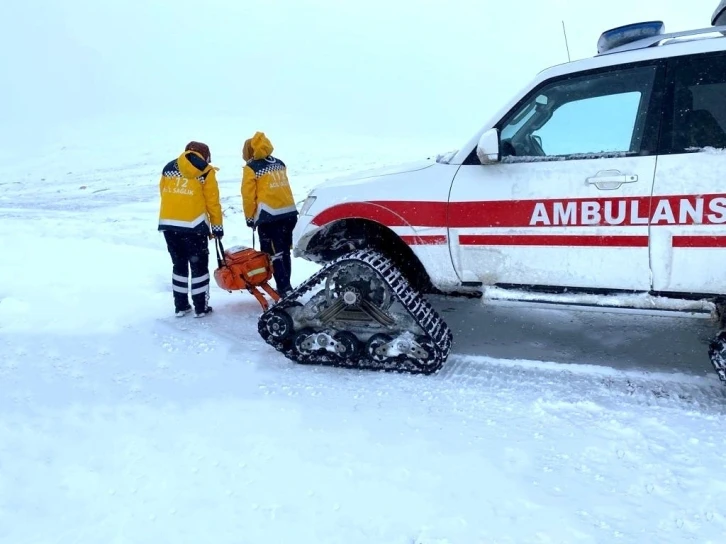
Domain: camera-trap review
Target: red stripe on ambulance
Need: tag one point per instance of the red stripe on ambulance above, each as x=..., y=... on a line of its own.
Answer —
x=699, y=241
x=552, y=240
x=389, y=213
x=708, y=209
x=627, y=211
x=434, y=240
x=672, y=210
x=604, y=212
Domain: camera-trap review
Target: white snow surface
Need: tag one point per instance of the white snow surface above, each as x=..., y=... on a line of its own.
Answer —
x=120, y=423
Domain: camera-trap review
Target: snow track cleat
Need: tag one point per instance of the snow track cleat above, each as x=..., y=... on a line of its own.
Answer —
x=717, y=354
x=366, y=316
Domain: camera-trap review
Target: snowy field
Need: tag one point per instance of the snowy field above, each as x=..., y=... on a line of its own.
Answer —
x=122, y=424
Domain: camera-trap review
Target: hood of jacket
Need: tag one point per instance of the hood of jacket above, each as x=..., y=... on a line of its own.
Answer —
x=260, y=146
x=192, y=165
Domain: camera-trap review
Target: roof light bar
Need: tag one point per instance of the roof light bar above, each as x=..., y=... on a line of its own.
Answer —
x=622, y=35
x=719, y=15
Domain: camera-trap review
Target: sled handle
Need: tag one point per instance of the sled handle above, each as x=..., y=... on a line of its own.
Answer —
x=221, y=261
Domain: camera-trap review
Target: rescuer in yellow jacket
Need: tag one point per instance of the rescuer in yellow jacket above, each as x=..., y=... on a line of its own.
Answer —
x=269, y=205
x=190, y=212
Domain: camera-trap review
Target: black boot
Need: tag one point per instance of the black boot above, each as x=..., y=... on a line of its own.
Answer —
x=208, y=310
x=201, y=304
x=181, y=303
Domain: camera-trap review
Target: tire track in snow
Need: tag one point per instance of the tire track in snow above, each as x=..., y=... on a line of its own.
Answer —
x=477, y=378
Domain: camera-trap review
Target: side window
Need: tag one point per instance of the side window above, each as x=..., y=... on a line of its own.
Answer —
x=582, y=117
x=697, y=113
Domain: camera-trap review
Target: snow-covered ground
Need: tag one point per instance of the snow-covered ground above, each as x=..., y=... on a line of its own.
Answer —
x=120, y=423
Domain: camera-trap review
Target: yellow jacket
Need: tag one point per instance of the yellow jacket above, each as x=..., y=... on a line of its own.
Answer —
x=190, y=196
x=266, y=193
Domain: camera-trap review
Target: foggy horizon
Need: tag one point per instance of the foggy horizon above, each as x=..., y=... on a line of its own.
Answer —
x=321, y=66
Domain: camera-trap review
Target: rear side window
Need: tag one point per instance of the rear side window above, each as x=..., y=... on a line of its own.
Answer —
x=696, y=114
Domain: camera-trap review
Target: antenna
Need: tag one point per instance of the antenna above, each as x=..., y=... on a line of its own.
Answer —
x=566, y=44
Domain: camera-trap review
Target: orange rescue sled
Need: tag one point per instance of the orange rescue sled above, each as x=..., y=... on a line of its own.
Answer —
x=245, y=268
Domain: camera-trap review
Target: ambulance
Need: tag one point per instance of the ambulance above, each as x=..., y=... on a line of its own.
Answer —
x=603, y=177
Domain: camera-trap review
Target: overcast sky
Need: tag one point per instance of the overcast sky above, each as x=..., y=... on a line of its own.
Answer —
x=399, y=67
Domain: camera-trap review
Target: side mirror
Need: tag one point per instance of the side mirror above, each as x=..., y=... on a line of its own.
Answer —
x=488, y=148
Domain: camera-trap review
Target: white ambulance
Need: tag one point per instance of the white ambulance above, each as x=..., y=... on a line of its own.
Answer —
x=603, y=176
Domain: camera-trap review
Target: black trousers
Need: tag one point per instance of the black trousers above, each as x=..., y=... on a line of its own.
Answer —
x=189, y=251
x=276, y=241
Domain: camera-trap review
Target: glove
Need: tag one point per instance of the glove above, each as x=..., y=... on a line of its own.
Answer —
x=251, y=223
x=217, y=231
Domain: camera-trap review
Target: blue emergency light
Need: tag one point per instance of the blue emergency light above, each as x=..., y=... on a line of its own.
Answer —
x=615, y=37
x=719, y=15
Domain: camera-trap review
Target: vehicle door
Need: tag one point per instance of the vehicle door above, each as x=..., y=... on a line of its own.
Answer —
x=688, y=232
x=567, y=202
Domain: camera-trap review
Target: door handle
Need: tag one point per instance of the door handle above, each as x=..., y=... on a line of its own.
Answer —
x=610, y=179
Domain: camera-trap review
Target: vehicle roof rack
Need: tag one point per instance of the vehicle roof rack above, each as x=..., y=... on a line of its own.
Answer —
x=652, y=41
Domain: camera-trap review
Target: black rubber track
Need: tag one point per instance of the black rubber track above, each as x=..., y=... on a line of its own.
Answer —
x=717, y=354
x=439, y=336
